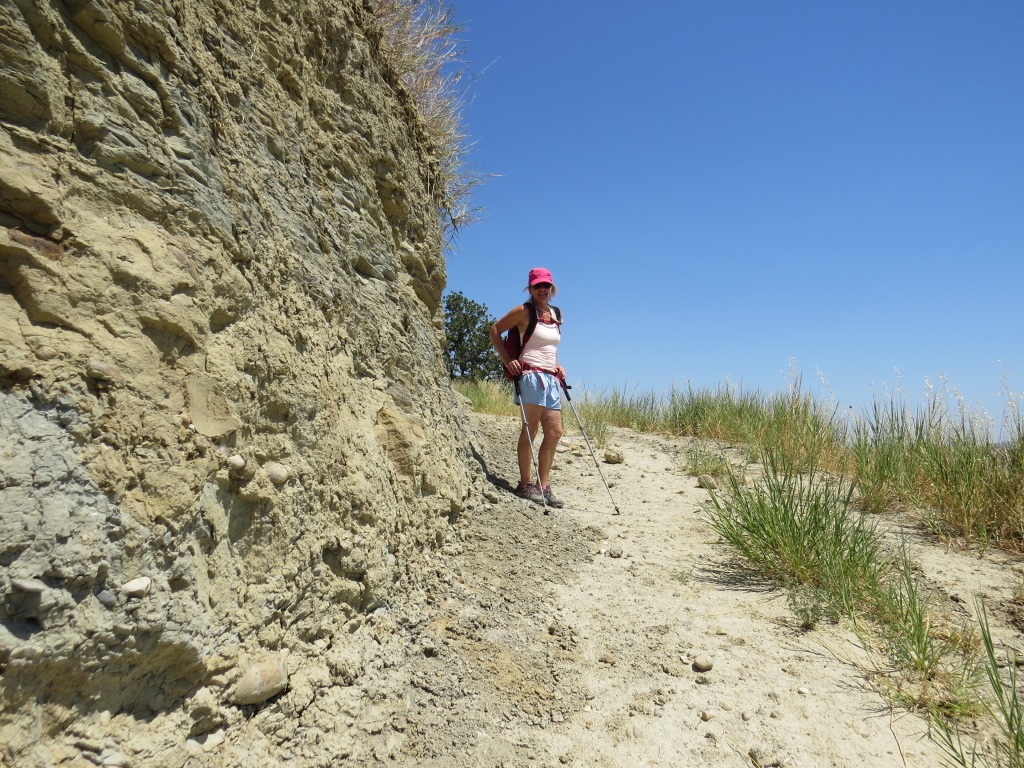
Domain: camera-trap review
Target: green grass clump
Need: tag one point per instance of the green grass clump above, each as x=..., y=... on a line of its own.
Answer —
x=974, y=489
x=798, y=529
x=491, y=397
x=944, y=464
x=885, y=457
x=704, y=460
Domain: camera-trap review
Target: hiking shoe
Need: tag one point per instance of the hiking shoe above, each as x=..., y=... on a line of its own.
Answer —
x=530, y=491
x=553, y=501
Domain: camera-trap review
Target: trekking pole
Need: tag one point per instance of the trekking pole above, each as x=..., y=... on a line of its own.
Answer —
x=526, y=426
x=566, y=388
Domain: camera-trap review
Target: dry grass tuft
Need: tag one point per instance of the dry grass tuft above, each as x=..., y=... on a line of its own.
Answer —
x=420, y=43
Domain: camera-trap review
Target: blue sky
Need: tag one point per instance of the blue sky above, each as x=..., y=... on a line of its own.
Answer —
x=723, y=186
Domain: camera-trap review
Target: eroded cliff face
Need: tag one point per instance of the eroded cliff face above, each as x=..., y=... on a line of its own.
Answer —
x=226, y=433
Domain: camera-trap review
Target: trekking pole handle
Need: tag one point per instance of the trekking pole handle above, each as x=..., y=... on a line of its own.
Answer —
x=565, y=387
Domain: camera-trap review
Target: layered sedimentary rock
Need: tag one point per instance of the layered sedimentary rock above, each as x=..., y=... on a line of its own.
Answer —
x=226, y=433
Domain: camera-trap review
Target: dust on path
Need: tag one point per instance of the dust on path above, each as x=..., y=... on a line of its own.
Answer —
x=571, y=639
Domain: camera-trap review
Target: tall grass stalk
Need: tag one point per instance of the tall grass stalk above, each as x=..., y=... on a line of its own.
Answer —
x=934, y=659
x=595, y=421
x=1005, y=704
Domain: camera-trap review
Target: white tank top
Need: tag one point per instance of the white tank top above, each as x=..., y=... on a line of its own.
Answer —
x=541, y=350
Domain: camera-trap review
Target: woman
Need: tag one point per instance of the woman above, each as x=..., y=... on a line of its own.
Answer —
x=538, y=372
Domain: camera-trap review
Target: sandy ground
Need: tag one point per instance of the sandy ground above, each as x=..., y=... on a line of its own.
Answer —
x=578, y=638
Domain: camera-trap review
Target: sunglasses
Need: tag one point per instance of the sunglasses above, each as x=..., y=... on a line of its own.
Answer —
x=542, y=286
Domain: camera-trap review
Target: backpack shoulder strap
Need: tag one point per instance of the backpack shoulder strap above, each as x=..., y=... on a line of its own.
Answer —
x=558, y=314
x=531, y=326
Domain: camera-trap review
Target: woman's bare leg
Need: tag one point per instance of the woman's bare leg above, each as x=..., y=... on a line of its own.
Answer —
x=523, y=449
x=551, y=421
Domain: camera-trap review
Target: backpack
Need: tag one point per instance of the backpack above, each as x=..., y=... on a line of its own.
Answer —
x=514, y=346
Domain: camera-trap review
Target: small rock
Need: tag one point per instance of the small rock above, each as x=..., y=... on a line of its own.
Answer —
x=213, y=741
x=33, y=586
x=803, y=691
x=615, y=552
x=107, y=598
x=46, y=353
x=746, y=716
x=706, y=715
x=703, y=664
x=608, y=658
x=264, y=679
x=613, y=456
x=236, y=462
x=707, y=481
x=137, y=587
x=491, y=496
x=101, y=371
x=277, y=472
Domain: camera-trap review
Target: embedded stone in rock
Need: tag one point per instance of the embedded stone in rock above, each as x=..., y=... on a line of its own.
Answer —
x=703, y=664
x=46, y=353
x=101, y=371
x=211, y=413
x=137, y=587
x=34, y=586
x=277, y=473
x=264, y=679
x=106, y=598
x=707, y=481
x=613, y=456
x=236, y=462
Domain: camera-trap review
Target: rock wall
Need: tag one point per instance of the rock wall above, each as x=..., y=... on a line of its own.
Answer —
x=227, y=439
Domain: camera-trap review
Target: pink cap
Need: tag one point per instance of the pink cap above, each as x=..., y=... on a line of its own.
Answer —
x=540, y=275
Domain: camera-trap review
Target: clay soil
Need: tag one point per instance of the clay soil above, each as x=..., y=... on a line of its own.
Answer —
x=583, y=637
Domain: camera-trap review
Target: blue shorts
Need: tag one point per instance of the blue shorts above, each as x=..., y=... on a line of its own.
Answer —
x=540, y=389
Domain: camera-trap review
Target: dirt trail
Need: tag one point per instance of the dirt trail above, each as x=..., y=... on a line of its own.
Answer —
x=575, y=639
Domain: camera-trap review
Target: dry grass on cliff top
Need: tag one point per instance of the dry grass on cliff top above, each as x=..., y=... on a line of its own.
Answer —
x=420, y=43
